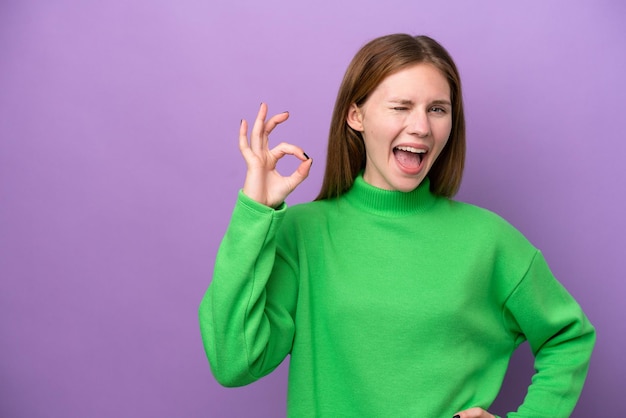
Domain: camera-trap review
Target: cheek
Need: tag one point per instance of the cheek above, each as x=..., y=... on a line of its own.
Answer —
x=372, y=136
x=442, y=139
x=444, y=142
x=443, y=133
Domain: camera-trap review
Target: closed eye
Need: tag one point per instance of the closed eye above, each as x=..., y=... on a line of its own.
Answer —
x=400, y=108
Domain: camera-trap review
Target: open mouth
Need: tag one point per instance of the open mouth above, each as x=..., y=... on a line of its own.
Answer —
x=409, y=158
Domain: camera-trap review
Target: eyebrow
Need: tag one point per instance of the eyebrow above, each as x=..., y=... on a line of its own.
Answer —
x=410, y=102
x=401, y=101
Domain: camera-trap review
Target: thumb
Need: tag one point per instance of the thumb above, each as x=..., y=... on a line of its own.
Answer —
x=301, y=173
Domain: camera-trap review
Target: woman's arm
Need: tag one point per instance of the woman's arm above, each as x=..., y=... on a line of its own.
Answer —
x=560, y=336
x=246, y=315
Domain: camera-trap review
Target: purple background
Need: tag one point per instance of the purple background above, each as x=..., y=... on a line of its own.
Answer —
x=119, y=168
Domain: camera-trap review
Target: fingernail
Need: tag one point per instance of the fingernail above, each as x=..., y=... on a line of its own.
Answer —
x=286, y=111
x=306, y=156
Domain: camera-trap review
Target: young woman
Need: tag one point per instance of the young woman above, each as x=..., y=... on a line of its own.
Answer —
x=391, y=298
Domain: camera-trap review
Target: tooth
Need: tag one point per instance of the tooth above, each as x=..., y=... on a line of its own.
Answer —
x=413, y=150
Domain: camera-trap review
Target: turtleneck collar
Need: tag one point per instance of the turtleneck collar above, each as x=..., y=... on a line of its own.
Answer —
x=390, y=202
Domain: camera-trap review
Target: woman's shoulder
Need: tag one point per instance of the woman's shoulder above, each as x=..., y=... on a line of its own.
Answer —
x=485, y=221
x=309, y=211
x=478, y=213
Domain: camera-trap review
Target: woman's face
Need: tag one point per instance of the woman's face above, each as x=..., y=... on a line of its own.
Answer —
x=405, y=124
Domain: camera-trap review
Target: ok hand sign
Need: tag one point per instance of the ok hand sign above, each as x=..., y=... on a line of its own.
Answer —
x=263, y=182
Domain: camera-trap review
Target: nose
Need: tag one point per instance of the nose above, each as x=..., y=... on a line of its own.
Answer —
x=419, y=124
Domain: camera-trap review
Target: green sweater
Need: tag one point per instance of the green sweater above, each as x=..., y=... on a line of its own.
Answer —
x=391, y=304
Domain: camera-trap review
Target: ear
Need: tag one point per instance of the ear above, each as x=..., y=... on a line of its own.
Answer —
x=355, y=118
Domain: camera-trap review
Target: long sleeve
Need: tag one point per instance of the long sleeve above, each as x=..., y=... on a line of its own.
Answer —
x=397, y=295
x=247, y=314
x=560, y=336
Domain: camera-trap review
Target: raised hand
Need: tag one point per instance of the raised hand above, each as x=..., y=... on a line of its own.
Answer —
x=263, y=182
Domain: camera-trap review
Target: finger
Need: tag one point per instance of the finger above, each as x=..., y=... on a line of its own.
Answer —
x=243, y=135
x=244, y=145
x=473, y=413
x=301, y=173
x=273, y=122
x=282, y=149
x=257, y=139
